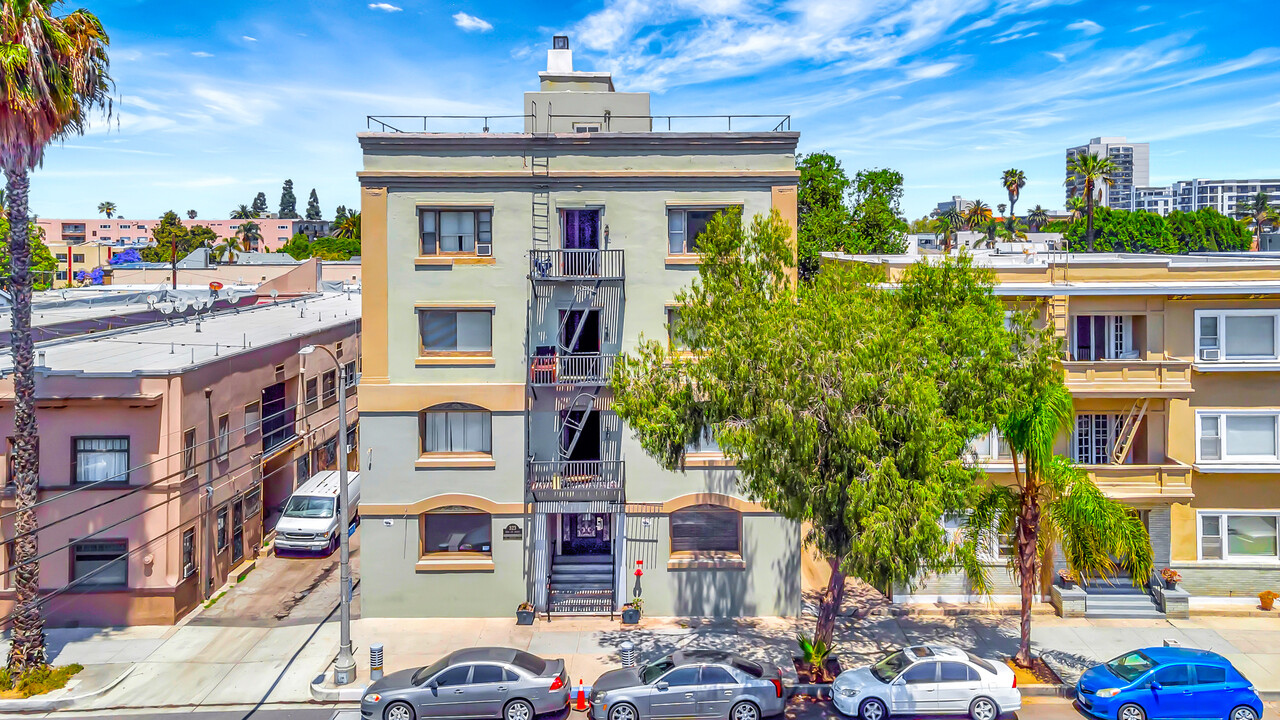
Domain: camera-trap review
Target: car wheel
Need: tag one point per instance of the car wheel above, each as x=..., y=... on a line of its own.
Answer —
x=983, y=708
x=873, y=709
x=623, y=711
x=1131, y=711
x=518, y=710
x=398, y=711
x=748, y=711
x=1244, y=712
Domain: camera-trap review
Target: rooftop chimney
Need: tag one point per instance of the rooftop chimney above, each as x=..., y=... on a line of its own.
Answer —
x=560, y=57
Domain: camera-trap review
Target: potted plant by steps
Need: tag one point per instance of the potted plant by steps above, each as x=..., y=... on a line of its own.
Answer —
x=1171, y=578
x=1066, y=579
x=631, y=612
x=524, y=614
x=1267, y=599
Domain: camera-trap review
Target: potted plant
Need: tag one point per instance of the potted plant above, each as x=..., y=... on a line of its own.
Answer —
x=524, y=614
x=1268, y=598
x=1171, y=578
x=1066, y=579
x=814, y=654
x=631, y=611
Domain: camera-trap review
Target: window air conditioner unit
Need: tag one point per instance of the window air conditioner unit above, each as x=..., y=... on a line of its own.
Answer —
x=1210, y=354
x=484, y=249
x=188, y=570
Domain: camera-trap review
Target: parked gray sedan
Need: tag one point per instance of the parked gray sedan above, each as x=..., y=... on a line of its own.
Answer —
x=692, y=684
x=472, y=683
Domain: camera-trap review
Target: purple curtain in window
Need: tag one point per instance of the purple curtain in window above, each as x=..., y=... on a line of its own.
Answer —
x=581, y=229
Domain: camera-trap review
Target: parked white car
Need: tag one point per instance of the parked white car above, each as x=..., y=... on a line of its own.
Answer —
x=309, y=524
x=928, y=680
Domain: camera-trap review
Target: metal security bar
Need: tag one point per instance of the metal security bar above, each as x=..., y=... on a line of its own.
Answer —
x=571, y=369
x=583, y=480
x=570, y=265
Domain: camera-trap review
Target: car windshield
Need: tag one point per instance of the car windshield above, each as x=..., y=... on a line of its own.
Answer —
x=302, y=506
x=1131, y=665
x=889, y=667
x=429, y=671
x=656, y=669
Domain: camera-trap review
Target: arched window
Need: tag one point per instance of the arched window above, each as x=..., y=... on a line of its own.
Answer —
x=456, y=428
x=706, y=528
x=457, y=529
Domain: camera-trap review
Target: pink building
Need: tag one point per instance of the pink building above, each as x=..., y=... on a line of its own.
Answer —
x=126, y=232
x=166, y=452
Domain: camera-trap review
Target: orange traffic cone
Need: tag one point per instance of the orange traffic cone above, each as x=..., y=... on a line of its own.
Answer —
x=581, y=705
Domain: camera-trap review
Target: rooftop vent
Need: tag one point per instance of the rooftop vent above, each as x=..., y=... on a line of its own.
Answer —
x=560, y=57
x=560, y=42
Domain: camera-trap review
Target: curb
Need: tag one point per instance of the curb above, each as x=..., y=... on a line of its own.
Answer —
x=347, y=693
x=39, y=704
x=1060, y=691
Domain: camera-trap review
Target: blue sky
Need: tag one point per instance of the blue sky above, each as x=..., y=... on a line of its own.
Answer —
x=220, y=100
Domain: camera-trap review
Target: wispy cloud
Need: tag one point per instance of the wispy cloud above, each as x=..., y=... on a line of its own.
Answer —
x=247, y=38
x=1140, y=28
x=385, y=7
x=1060, y=57
x=1088, y=27
x=202, y=54
x=471, y=23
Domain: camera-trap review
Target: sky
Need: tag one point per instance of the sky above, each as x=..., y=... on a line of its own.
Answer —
x=217, y=101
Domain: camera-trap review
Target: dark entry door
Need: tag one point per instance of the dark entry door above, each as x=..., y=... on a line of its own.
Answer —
x=588, y=337
x=587, y=445
x=237, y=531
x=585, y=534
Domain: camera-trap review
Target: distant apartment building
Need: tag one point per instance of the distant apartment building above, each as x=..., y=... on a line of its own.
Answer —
x=167, y=450
x=1225, y=196
x=1133, y=161
x=507, y=271
x=956, y=202
x=121, y=232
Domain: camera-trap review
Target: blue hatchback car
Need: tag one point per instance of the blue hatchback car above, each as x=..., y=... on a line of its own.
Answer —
x=1162, y=683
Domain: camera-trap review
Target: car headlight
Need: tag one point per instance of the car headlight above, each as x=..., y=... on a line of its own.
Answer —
x=373, y=698
x=849, y=691
x=1109, y=692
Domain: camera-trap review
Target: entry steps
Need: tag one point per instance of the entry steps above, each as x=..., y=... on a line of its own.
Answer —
x=1121, y=600
x=581, y=584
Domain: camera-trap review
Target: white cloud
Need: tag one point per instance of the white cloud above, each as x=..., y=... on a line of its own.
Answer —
x=246, y=38
x=471, y=23
x=1009, y=38
x=931, y=71
x=1060, y=57
x=202, y=54
x=1088, y=27
x=385, y=7
x=1140, y=28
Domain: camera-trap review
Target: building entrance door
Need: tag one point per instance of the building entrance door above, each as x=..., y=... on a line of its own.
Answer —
x=585, y=534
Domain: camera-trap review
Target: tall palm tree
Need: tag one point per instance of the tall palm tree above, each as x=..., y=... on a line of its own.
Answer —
x=348, y=227
x=191, y=214
x=942, y=227
x=229, y=248
x=244, y=212
x=977, y=215
x=1002, y=207
x=107, y=208
x=1038, y=218
x=249, y=234
x=1054, y=501
x=55, y=75
x=1257, y=211
x=1013, y=181
x=1096, y=171
x=1075, y=206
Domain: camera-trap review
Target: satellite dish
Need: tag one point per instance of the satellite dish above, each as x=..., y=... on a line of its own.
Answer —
x=274, y=293
x=182, y=305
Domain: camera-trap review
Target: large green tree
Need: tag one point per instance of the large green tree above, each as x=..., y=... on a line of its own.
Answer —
x=313, y=207
x=288, y=201
x=846, y=406
x=44, y=265
x=170, y=236
x=879, y=226
x=825, y=222
x=56, y=75
x=1205, y=230
x=259, y=205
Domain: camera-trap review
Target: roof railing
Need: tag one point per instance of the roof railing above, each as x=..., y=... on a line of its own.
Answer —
x=673, y=123
x=410, y=123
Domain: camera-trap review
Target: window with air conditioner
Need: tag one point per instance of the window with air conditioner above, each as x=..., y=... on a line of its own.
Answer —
x=456, y=232
x=1236, y=336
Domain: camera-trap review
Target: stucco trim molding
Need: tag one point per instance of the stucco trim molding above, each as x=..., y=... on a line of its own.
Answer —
x=415, y=397
x=729, y=501
x=430, y=564
x=436, y=502
x=684, y=560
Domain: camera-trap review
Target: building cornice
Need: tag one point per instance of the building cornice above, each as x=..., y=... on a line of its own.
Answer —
x=604, y=141
x=567, y=180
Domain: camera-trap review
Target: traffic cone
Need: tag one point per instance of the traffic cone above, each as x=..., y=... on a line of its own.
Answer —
x=581, y=705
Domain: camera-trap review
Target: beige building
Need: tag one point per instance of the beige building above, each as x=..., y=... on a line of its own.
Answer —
x=507, y=271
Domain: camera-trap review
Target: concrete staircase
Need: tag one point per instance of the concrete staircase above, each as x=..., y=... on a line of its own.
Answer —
x=581, y=584
x=1121, y=600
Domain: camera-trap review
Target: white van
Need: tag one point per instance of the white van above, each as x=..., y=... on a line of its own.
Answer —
x=310, y=522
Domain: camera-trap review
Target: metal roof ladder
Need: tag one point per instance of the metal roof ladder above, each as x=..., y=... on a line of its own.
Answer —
x=1129, y=430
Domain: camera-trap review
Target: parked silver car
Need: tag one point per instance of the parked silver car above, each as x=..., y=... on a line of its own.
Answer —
x=693, y=684
x=928, y=680
x=472, y=683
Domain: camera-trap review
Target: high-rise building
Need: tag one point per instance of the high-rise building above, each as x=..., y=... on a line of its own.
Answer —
x=1225, y=196
x=1133, y=161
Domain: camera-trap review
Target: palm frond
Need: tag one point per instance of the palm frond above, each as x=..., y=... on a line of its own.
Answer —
x=1095, y=531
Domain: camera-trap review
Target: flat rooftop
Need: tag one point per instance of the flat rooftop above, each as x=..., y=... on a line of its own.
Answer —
x=170, y=349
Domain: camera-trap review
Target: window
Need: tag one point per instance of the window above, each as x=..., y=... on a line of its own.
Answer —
x=685, y=226
x=77, y=257
x=1249, y=437
x=1248, y=536
x=253, y=502
x=1094, y=438
x=312, y=394
x=921, y=674
x=706, y=528
x=1103, y=337
x=252, y=417
x=330, y=386
x=682, y=676
x=705, y=444
x=189, y=452
x=62, y=257
x=222, y=529
x=188, y=552
x=675, y=339
x=957, y=672
x=224, y=436
x=61, y=274
x=100, y=460
x=1210, y=674
x=456, y=232
x=456, y=332
x=1172, y=675
x=990, y=446
x=100, y=564
x=454, y=676
x=715, y=675
x=303, y=468
x=456, y=530
x=586, y=127
x=326, y=455
x=350, y=376
x=486, y=674
x=456, y=428
x=1236, y=335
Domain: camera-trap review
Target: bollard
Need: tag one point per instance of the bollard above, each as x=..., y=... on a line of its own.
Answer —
x=628, y=653
x=375, y=662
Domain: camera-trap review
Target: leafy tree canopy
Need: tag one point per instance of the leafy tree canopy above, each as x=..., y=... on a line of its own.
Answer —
x=259, y=204
x=313, y=207
x=828, y=222
x=1205, y=230
x=878, y=223
x=288, y=201
x=43, y=263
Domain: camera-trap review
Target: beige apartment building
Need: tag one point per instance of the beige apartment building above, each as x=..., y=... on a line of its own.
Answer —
x=1173, y=363
x=506, y=272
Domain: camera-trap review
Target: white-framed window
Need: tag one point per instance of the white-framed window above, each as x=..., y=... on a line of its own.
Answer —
x=224, y=436
x=100, y=459
x=705, y=444
x=1102, y=337
x=1249, y=535
x=990, y=447
x=252, y=417
x=1094, y=438
x=456, y=427
x=1238, y=436
x=1236, y=335
x=684, y=225
x=1000, y=549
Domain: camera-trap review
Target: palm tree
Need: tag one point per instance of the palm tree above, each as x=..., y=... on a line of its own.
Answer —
x=1075, y=206
x=348, y=227
x=1038, y=218
x=942, y=228
x=107, y=208
x=1257, y=211
x=229, y=248
x=244, y=212
x=250, y=235
x=191, y=214
x=977, y=215
x=1096, y=171
x=1002, y=207
x=1054, y=501
x=1013, y=181
x=55, y=74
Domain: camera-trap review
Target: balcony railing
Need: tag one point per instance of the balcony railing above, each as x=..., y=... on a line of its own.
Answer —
x=580, y=480
x=571, y=369
x=1137, y=482
x=1133, y=378
x=569, y=265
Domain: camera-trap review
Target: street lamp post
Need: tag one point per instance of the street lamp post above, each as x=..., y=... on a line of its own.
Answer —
x=344, y=668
